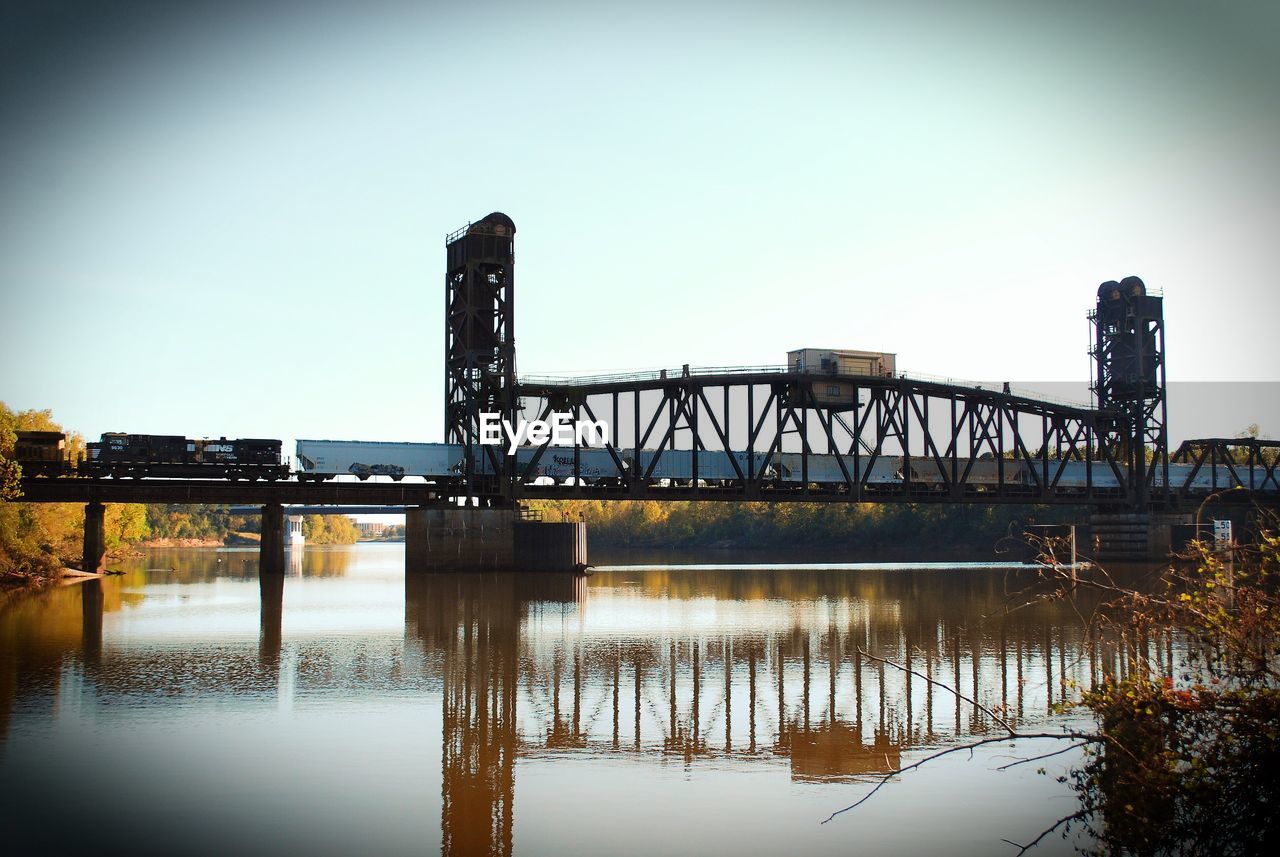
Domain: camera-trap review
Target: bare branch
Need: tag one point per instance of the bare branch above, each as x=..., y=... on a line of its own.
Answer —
x=1075, y=816
x=1017, y=762
x=970, y=746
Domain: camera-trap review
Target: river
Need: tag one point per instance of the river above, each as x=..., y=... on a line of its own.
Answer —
x=346, y=708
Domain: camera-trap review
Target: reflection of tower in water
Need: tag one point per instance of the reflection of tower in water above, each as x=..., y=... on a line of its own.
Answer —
x=472, y=621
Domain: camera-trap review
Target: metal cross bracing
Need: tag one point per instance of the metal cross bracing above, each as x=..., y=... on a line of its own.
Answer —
x=777, y=435
x=1229, y=463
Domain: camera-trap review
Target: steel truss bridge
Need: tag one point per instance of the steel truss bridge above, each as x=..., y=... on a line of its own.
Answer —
x=861, y=439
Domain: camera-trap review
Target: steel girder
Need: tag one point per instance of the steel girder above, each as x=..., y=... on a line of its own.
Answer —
x=1231, y=463
x=946, y=443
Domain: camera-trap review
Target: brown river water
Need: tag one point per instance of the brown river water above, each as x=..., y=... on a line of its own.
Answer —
x=186, y=707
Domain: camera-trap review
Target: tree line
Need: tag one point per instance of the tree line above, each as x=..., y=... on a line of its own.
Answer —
x=706, y=524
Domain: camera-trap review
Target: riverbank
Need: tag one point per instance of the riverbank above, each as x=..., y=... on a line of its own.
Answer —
x=61, y=569
x=14, y=582
x=181, y=543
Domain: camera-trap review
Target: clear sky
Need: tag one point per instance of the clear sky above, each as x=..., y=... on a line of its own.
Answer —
x=229, y=218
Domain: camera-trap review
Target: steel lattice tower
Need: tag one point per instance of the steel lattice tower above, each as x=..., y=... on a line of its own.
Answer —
x=480, y=349
x=1129, y=381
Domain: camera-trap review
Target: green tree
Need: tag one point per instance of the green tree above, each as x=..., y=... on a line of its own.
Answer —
x=343, y=530
x=125, y=523
x=330, y=530
x=35, y=538
x=10, y=472
x=647, y=523
x=315, y=530
x=185, y=521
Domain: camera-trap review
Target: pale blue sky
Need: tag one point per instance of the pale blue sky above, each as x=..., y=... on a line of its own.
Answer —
x=224, y=219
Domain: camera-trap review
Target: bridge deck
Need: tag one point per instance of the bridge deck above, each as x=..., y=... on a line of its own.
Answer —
x=40, y=490
x=376, y=495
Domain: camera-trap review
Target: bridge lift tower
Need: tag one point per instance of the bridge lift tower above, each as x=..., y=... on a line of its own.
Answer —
x=1129, y=382
x=480, y=347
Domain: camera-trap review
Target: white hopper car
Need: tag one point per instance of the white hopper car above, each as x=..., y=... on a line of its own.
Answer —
x=325, y=459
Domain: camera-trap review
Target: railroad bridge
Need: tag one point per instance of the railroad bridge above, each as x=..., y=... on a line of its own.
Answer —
x=773, y=433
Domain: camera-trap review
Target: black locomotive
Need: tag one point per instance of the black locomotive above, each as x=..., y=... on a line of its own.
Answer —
x=120, y=455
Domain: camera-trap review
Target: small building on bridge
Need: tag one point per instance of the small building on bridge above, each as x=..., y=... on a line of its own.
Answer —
x=832, y=361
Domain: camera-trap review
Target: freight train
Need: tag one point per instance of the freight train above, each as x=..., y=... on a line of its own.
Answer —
x=121, y=455
x=41, y=453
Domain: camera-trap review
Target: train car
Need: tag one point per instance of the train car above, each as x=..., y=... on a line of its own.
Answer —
x=715, y=466
x=824, y=469
x=326, y=459
x=1082, y=474
x=1211, y=477
x=120, y=455
x=595, y=466
x=41, y=453
x=983, y=472
x=243, y=452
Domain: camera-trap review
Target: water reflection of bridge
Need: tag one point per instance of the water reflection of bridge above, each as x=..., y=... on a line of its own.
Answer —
x=681, y=668
x=531, y=668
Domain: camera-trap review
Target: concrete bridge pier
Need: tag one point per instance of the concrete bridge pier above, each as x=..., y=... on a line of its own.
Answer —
x=95, y=538
x=546, y=546
x=458, y=539
x=1135, y=536
x=271, y=548
x=466, y=539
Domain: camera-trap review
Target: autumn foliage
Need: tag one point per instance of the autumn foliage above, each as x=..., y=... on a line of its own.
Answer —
x=1188, y=754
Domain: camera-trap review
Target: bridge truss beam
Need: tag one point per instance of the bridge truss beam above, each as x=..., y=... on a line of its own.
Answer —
x=1240, y=462
x=941, y=443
